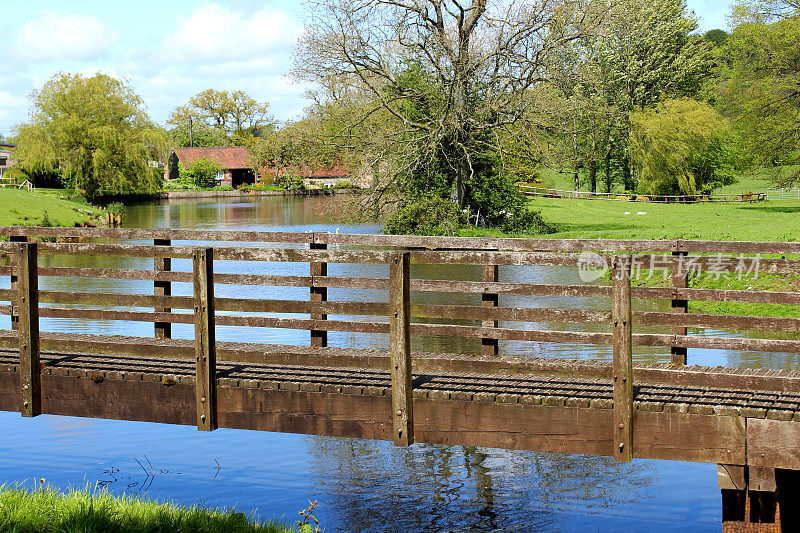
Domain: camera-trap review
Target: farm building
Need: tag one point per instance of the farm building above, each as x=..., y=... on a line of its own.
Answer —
x=6, y=159
x=233, y=160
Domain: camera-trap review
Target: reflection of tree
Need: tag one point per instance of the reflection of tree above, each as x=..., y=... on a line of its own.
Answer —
x=374, y=485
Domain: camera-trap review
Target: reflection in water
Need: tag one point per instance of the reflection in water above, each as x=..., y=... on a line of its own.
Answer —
x=431, y=487
x=360, y=484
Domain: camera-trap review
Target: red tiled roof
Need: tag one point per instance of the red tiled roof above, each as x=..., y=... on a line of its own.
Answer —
x=230, y=157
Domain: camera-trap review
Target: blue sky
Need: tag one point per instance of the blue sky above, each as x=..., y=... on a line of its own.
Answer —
x=169, y=50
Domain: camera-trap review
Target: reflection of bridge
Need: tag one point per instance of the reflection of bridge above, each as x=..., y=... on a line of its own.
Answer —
x=746, y=420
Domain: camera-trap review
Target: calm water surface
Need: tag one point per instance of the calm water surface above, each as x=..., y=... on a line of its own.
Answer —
x=360, y=485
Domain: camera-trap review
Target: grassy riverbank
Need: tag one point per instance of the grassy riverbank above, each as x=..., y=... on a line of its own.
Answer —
x=606, y=219
x=43, y=207
x=47, y=510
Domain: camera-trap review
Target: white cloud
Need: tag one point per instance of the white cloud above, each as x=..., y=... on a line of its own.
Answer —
x=216, y=34
x=56, y=36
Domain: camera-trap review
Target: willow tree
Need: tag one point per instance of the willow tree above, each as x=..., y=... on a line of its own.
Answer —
x=96, y=132
x=449, y=74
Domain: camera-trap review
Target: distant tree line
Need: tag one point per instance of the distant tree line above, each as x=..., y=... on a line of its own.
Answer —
x=447, y=104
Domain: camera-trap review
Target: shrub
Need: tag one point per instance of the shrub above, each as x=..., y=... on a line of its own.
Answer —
x=526, y=222
x=426, y=216
x=201, y=172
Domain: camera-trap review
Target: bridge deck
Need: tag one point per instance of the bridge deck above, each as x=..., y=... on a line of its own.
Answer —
x=501, y=388
x=572, y=415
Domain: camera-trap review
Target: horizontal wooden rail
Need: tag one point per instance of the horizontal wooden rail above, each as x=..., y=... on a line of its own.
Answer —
x=409, y=241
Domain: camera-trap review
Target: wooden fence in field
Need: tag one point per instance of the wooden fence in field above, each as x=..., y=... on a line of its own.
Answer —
x=748, y=197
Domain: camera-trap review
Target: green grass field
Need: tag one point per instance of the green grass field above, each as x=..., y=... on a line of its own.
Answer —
x=44, y=207
x=85, y=511
x=608, y=219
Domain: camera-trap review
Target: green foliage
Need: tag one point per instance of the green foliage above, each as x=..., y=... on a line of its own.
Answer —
x=289, y=181
x=716, y=37
x=117, y=209
x=87, y=511
x=759, y=66
x=96, y=131
x=200, y=172
x=681, y=147
x=202, y=135
x=235, y=116
x=345, y=184
x=428, y=215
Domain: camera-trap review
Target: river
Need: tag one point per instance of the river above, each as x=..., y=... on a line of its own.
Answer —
x=360, y=485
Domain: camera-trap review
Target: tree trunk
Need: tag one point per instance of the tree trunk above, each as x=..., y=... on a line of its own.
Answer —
x=608, y=177
x=575, y=155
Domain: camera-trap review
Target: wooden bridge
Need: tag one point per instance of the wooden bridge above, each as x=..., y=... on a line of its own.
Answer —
x=745, y=420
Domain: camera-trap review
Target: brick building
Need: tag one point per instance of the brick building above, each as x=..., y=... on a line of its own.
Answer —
x=233, y=160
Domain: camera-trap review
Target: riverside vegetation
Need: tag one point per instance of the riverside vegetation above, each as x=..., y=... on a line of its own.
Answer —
x=46, y=510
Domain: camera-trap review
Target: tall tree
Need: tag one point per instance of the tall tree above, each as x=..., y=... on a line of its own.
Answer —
x=95, y=130
x=236, y=114
x=760, y=86
x=451, y=74
x=644, y=52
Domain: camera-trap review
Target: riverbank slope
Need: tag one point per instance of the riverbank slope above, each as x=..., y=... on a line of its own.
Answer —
x=43, y=208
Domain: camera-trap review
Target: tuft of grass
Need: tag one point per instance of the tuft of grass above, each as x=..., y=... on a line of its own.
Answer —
x=97, y=511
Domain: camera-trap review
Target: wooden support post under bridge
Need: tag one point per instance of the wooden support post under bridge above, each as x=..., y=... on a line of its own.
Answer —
x=28, y=304
x=163, y=330
x=680, y=280
x=319, y=338
x=623, y=359
x=490, y=274
x=400, y=349
x=205, y=339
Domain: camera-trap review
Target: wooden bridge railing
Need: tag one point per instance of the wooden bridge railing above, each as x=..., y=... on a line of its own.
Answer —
x=623, y=258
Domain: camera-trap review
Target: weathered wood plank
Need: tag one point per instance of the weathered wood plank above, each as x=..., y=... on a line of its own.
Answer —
x=318, y=269
x=773, y=443
x=680, y=280
x=14, y=279
x=410, y=241
x=623, y=359
x=400, y=349
x=28, y=303
x=490, y=300
x=689, y=437
x=162, y=330
x=205, y=341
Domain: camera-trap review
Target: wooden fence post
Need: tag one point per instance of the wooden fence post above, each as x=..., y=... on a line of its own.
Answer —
x=204, y=339
x=28, y=302
x=14, y=304
x=318, y=294
x=400, y=349
x=623, y=358
x=163, y=330
x=680, y=280
x=490, y=274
